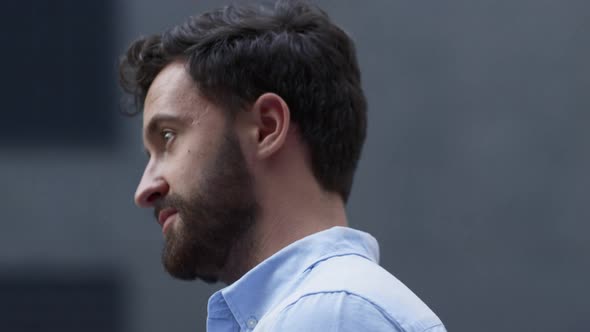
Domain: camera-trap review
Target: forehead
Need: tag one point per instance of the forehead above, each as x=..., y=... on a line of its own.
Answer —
x=173, y=92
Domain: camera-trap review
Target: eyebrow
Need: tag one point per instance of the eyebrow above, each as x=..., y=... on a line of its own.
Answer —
x=155, y=124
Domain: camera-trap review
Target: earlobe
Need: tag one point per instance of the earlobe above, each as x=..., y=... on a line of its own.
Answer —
x=273, y=120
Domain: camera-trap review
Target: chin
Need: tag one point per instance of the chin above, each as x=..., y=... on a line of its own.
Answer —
x=187, y=265
x=209, y=279
x=180, y=274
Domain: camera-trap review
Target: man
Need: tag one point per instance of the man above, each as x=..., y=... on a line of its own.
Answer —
x=254, y=120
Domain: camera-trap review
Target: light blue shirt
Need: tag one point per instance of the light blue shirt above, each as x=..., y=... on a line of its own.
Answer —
x=328, y=281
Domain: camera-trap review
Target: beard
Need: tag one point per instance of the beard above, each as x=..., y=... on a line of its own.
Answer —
x=212, y=219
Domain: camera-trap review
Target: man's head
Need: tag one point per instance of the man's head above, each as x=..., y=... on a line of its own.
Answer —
x=222, y=95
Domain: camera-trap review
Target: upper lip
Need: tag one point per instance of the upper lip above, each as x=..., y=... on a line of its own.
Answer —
x=164, y=214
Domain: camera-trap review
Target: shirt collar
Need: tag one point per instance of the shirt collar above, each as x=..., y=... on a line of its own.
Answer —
x=264, y=286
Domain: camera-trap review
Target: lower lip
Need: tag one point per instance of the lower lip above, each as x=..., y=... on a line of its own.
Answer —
x=168, y=222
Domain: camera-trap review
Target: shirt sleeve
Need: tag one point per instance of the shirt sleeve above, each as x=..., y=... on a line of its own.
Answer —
x=337, y=312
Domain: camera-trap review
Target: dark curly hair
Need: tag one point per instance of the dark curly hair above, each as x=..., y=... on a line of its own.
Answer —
x=237, y=53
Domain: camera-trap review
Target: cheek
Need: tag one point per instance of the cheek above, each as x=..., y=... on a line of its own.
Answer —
x=186, y=173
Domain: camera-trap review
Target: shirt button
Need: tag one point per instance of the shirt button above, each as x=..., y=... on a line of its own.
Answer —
x=251, y=323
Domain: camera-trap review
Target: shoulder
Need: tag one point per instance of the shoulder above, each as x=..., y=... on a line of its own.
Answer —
x=332, y=311
x=352, y=293
x=341, y=311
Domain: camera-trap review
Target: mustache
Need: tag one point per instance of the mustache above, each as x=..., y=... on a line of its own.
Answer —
x=170, y=201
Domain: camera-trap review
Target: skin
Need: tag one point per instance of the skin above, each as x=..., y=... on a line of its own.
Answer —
x=187, y=148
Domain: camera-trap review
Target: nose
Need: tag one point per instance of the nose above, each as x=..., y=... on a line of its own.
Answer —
x=150, y=189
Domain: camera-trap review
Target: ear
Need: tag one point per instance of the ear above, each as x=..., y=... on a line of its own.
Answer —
x=272, y=118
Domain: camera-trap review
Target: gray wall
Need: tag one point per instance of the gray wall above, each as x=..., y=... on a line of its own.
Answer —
x=474, y=176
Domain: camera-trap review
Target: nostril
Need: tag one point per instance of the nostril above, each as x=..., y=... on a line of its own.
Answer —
x=153, y=197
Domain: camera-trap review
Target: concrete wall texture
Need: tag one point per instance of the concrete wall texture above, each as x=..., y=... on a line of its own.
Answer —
x=474, y=178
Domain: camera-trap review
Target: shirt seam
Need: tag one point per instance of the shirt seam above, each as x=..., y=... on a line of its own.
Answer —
x=433, y=326
x=342, y=254
x=386, y=314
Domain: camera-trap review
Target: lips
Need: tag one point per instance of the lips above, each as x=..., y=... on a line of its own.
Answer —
x=165, y=214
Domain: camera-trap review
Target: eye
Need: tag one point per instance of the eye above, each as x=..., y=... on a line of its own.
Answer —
x=168, y=135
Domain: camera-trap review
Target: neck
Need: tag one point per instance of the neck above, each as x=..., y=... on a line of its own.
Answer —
x=296, y=217
x=292, y=205
x=285, y=216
